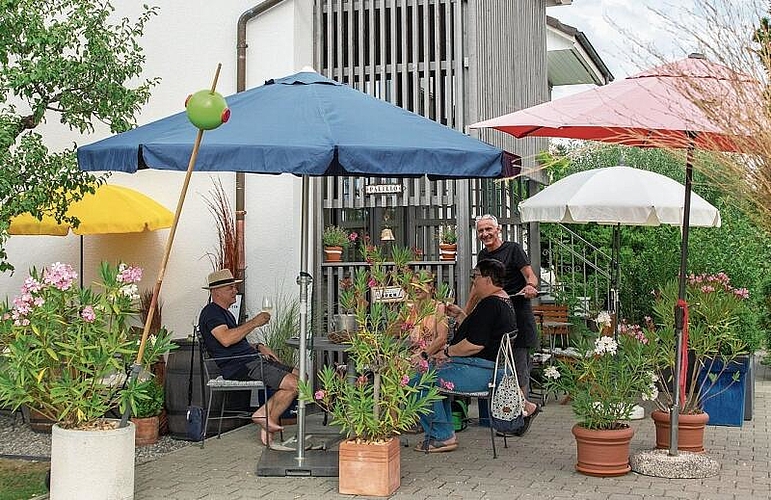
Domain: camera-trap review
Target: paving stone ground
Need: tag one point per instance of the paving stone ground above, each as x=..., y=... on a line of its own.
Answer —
x=539, y=465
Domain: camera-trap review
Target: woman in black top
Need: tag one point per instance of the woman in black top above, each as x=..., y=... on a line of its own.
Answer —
x=468, y=363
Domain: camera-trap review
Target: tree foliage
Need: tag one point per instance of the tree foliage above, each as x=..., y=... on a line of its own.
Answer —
x=649, y=256
x=65, y=60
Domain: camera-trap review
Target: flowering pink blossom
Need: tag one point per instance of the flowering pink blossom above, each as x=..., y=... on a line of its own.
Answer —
x=361, y=380
x=319, y=395
x=422, y=366
x=446, y=384
x=129, y=274
x=372, y=283
x=742, y=293
x=405, y=380
x=707, y=289
x=59, y=275
x=353, y=236
x=88, y=314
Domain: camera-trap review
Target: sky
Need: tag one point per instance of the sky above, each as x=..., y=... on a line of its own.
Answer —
x=608, y=24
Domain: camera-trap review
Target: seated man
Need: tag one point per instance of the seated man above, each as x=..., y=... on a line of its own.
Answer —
x=468, y=363
x=224, y=338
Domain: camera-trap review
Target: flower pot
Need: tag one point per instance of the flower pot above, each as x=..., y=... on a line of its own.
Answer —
x=603, y=453
x=690, y=431
x=725, y=390
x=37, y=421
x=92, y=464
x=447, y=251
x=333, y=254
x=147, y=430
x=371, y=469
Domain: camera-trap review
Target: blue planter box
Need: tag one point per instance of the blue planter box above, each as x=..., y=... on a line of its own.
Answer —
x=725, y=398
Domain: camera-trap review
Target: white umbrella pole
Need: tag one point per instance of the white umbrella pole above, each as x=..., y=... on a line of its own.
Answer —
x=136, y=368
x=304, y=280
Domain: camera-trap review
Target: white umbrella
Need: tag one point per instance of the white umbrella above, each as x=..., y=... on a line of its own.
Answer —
x=617, y=195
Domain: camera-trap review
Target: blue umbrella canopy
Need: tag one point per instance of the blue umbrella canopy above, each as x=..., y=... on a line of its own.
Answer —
x=304, y=124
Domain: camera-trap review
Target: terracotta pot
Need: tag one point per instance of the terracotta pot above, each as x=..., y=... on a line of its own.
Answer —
x=333, y=254
x=447, y=251
x=603, y=453
x=147, y=430
x=39, y=422
x=371, y=469
x=690, y=431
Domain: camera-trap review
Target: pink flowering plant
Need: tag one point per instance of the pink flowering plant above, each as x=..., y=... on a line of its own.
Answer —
x=720, y=328
x=66, y=349
x=605, y=379
x=388, y=392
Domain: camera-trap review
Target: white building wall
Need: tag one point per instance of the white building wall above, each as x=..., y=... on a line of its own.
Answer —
x=183, y=45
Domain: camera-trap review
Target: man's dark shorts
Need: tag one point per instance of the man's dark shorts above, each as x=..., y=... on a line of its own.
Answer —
x=270, y=372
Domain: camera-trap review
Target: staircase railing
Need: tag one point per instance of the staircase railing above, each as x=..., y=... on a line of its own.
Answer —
x=574, y=270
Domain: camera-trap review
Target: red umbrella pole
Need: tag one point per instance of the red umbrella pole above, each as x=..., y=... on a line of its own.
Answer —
x=137, y=366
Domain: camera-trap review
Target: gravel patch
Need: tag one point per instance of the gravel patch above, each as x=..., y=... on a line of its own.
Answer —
x=18, y=440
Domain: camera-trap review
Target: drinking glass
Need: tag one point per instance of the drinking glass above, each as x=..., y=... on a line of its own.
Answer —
x=267, y=304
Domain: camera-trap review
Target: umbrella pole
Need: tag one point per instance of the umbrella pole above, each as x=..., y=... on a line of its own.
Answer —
x=680, y=346
x=81, y=261
x=137, y=366
x=615, y=278
x=304, y=280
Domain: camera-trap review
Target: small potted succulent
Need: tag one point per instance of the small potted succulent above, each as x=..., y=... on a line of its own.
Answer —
x=448, y=242
x=334, y=239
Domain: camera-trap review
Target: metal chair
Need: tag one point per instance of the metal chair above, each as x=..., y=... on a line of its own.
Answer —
x=488, y=395
x=216, y=383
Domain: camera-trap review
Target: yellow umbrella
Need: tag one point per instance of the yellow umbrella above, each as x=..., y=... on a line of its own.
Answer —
x=111, y=209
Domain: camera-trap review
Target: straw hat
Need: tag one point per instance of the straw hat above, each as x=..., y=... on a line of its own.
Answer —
x=220, y=278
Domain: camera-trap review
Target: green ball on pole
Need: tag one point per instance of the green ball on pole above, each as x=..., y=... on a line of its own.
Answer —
x=206, y=109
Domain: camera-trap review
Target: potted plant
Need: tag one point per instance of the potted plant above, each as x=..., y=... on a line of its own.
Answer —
x=66, y=352
x=334, y=239
x=605, y=379
x=389, y=394
x=448, y=242
x=146, y=406
x=720, y=334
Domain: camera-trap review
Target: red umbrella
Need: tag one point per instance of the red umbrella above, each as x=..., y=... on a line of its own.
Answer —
x=660, y=107
x=675, y=105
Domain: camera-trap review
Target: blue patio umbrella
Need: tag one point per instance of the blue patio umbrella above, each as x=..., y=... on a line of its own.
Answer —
x=304, y=124
x=307, y=125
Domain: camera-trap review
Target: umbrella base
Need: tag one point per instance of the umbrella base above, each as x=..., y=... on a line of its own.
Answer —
x=686, y=465
x=316, y=463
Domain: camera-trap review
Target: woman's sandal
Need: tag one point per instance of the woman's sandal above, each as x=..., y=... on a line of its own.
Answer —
x=435, y=446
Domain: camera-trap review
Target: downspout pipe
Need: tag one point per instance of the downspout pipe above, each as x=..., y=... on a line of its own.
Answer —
x=241, y=46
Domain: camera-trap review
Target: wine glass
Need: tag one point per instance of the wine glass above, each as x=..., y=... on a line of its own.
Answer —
x=267, y=304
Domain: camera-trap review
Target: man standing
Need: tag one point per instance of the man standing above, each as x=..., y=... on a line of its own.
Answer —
x=521, y=283
x=225, y=339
